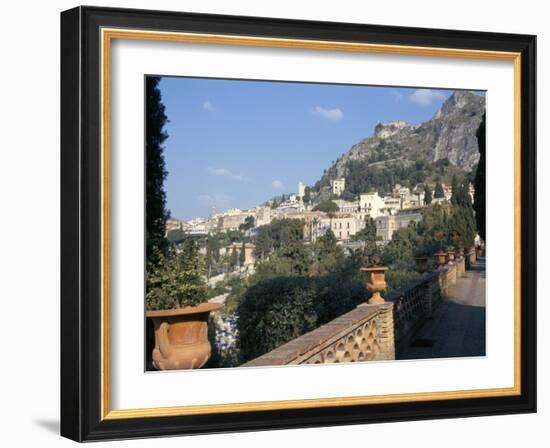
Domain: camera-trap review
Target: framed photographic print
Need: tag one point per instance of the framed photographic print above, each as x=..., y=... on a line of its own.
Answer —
x=273, y=223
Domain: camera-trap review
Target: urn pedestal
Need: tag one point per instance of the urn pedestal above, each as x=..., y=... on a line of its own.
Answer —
x=181, y=336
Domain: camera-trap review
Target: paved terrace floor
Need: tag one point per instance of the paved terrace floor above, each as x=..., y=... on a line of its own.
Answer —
x=457, y=327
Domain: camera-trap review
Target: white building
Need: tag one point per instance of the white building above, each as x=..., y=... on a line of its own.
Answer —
x=343, y=225
x=231, y=219
x=392, y=204
x=338, y=186
x=413, y=200
x=264, y=215
x=402, y=192
x=291, y=205
x=347, y=206
x=371, y=205
x=386, y=225
x=196, y=226
x=232, y=211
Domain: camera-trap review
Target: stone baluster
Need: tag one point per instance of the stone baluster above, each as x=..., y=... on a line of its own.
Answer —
x=427, y=299
x=385, y=332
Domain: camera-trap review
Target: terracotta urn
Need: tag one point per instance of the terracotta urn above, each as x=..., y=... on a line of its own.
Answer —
x=376, y=283
x=421, y=264
x=440, y=258
x=461, y=252
x=450, y=255
x=181, y=336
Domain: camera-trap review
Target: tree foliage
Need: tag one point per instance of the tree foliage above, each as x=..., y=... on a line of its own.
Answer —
x=401, y=247
x=462, y=225
x=367, y=233
x=326, y=255
x=362, y=176
x=281, y=232
x=273, y=312
x=177, y=279
x=479, y=183
x=263, y=242
x=247, y=224
x=176, y=235
x=327, y=207
x=368, y=236
x=234, y=258
x=449, y=224
x=213, y=247
x=156, y=213
x=242, y=254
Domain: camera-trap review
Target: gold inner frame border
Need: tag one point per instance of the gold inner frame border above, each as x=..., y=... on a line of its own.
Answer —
x=107, y=35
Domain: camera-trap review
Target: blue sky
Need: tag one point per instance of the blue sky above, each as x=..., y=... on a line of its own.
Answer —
x=239, y=143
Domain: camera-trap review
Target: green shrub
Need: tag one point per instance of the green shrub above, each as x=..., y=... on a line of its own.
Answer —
x=398, y=279
x=238, y=288
x=177, y=280
x=274, y=311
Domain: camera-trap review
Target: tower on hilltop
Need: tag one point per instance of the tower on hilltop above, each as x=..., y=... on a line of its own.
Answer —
x=301, y=190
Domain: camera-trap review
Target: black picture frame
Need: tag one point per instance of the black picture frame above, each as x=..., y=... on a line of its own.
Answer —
x=81, y=381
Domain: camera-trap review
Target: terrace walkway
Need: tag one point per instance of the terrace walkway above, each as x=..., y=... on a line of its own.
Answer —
x=457, y=327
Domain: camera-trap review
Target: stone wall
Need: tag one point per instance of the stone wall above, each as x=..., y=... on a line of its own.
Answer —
x=363, y=334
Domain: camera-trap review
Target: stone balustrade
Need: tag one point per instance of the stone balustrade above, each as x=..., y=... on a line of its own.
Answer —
x=370, y=332
x=363, y=334
x=416, y=302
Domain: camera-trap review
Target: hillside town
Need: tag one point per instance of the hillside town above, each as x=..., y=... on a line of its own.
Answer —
x=389, y=213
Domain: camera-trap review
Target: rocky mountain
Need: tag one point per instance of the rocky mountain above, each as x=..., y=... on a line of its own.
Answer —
x=447, y=139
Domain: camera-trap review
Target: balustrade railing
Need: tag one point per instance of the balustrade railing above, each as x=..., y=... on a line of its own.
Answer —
x=363, y=334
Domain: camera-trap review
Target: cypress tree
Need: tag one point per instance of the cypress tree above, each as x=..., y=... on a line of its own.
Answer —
x=234, y=258
x=479, y=182
x=439, y=193
x=242, y=255
x=454, y=189
x=427, y=195
x=156, y=213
